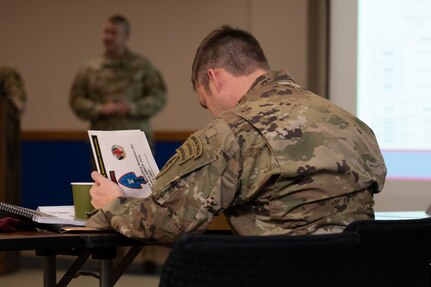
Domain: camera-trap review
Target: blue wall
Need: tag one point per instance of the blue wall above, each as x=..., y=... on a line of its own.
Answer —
x=48, y=167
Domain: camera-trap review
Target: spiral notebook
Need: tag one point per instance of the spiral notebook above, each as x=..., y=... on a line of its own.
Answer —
x=42, y=220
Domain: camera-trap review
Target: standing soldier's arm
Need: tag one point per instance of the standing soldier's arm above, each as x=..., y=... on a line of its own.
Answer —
x=80, y=99
x=153, y=98
x=198, y=182
x=14, y=88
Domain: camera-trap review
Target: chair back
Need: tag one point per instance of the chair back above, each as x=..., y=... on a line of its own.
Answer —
x=394, y=252
x=288, y=261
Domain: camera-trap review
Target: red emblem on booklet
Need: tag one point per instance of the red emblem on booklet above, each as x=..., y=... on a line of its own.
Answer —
x=118, y=152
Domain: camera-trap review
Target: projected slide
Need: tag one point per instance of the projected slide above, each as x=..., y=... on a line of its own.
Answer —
x=394, y=82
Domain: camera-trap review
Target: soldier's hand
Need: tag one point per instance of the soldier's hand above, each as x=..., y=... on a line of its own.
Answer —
x=104, y=191
x=122, y=109
x=108, y=109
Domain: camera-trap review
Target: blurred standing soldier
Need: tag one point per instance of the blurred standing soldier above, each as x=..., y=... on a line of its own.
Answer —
x=12, y=85
x=120, y=89
x=11, y=88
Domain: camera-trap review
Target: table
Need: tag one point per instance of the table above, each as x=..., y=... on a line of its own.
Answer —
x=100, y=245
x=103, y=246
x=394, y=215
x=220, y=223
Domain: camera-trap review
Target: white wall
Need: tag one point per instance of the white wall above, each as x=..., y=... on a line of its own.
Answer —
x=48, y=40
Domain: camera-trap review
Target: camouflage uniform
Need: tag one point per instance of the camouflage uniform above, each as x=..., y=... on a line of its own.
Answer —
x=284, y=161
x=12, y=85
x=132, y=79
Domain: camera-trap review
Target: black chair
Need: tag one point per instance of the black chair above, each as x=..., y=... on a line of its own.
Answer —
x=394, y=252
x=223, y=260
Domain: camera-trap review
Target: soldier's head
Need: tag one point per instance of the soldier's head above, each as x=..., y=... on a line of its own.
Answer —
x=115, y=35
x=225, y=65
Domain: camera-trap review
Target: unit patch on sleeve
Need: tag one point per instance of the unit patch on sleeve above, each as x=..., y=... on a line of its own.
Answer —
x=192, y=148
x=168, y=165
x=197, y=143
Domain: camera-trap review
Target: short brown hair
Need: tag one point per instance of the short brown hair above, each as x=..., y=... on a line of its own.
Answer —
x=120, y=19
x=235, y=50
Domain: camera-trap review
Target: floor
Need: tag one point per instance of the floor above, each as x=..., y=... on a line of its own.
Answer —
x=31, y=274
x=33, y=277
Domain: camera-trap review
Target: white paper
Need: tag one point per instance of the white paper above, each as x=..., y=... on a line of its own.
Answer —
x=125, y=157
x=62, y=211
x=62, y=214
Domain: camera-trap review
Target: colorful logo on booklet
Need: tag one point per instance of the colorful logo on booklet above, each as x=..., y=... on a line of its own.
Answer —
x=130, y=180
x=118, y=152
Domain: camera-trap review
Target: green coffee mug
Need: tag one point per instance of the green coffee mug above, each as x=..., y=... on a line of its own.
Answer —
x=82, y=199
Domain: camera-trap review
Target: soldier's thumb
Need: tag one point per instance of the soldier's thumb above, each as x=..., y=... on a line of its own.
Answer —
x=97, y=177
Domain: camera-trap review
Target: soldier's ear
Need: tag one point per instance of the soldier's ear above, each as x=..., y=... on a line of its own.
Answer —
x=215, y=76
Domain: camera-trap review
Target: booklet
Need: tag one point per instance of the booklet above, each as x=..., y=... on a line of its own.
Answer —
x=125, y=157
x=36, y=217
x=60, y=214
x=52, y=218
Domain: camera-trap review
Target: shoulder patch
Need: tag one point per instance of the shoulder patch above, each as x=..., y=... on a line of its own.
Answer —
x=192, y=148
x=197, y=144
x=168, y=165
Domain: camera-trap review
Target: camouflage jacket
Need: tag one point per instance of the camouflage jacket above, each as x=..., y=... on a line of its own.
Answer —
x=132, y=79
x=12, y=85
x=284, y=161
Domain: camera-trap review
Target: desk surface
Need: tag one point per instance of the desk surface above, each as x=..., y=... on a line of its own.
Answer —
x=388, y=215
x=31, y=240
x=220, y=222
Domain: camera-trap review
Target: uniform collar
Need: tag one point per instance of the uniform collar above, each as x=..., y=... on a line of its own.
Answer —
x=109, y=62
x=271, y=77
x=280, y=76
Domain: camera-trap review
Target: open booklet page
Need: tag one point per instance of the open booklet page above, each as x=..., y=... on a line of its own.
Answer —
x=125, y=157
x=30, y=216
x=52, y=218
x=62, y=214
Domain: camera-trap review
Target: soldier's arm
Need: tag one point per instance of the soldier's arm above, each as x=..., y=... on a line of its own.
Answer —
x=153, y=98
x=14, y=88
x=198, y=182
x=80, y=99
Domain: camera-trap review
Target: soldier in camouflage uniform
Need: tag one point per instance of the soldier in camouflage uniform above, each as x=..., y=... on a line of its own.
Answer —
x=119, y=90
x=276, y=160
x=12, y=85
